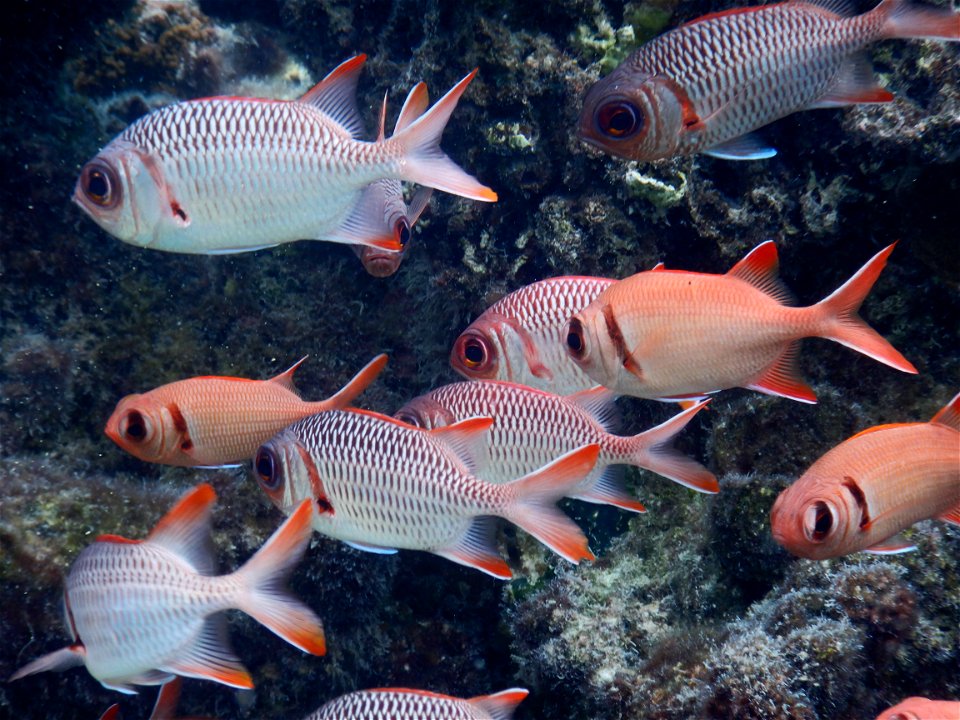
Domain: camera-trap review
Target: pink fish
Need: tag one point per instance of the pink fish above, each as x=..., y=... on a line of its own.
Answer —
x=380, y=484
x=212, y=421
x=520, y=338
x=863, y=492
x=141, y=612
x=532, y=427
x=703, y=87
x=390, y=219
x=673, y=334
x=165, y=707
x=404, y=704
x=918, y=708
x=224, y=175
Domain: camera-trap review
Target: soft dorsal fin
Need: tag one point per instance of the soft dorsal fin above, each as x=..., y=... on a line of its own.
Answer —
x=167, y=698
x=285, y=379
x=185, y=529
x=468, y=440
x=336, y=95
x=659, y=267
x=416, y=104
x=880, y=428
x=843, y=8
x=760, y=268
x=949, y=415
x=600, y=404
x=501, y=705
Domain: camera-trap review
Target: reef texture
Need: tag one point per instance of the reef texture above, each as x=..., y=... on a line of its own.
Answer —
x=691, y=610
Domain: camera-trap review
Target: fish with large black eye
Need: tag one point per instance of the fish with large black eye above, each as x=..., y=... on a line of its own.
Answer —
x=707, y=85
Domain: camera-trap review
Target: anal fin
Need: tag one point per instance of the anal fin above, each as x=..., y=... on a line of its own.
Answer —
x=367, y=547
x=892, y=546
x=783, y=379
x=477, y=549
x=744, y=147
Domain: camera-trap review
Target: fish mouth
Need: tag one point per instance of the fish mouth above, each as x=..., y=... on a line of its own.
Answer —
x=381, y=264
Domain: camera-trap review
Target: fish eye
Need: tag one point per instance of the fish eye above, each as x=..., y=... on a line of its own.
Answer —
x=133, y=427
x=818, y=522
x=100, y=184
x=402, y=231
x=575, y=341
x=408, y=418
x=265, y=464
x=619, y=119
x=474, y=354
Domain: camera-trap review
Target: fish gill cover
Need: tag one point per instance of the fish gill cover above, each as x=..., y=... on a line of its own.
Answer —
x=691, y=610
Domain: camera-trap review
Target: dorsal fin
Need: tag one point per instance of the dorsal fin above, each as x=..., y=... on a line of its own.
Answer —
x=843, y=8
x=878, y=428
x=416, y=104
x=501, y=705
x=166, y=706
x=382, y=129
x=600, y=404
x=112, y=713
x=468, y=440
x=760, y=268
x=336, y=95
x=185, y=529
x=285, y=379
x=659, y=267
x=949, y=415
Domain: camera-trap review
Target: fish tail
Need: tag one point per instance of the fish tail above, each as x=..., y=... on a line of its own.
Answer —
x=353, y=389
x=535, y=494
x=904, y=20
x=265, y=596
x=653, y=450
x=425, y=163
x=843, y=325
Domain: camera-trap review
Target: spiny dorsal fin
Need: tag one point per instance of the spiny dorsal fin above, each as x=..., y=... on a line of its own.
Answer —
x=949, y=415
x=185, y=529
x=760, y=268
x=285, y=379
x=336, y=95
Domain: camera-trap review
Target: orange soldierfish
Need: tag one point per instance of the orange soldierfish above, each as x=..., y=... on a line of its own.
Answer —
x=918, y=708
x=405, y=704
x=389, y=219
x=141, y=612
x=705, y=86
x=520, y=337
x=674, y=335
x=379, y=484
x=870, y=487
x=212, y=421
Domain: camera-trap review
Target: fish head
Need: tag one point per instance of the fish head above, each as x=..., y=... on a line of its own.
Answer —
x=122, y=189
x=633, y=115
x=813, y=518
x=585, y=346
x=380, y=262
x=476, y=353
x=287, y=473
x=386, y=197
x=142, y=426
x=425, y=412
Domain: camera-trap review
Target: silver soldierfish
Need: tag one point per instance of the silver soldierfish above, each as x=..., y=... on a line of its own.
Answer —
x=380, y=484
x=520, y=338
x=141, y=612
x=405, y=704
x=704, y=86
x=223, y=175
x=390, y=219
x=533, y=427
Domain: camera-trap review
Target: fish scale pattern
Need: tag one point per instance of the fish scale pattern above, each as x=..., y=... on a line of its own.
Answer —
x=393, y=485
x=744, y=70
x=398, y=705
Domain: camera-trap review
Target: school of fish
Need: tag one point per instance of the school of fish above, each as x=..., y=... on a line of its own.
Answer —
x=536, y=421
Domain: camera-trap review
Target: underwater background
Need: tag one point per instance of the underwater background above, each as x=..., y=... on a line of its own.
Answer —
x=691, y=610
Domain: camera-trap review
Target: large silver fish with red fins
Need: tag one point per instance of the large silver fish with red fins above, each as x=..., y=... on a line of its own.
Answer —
x=407, y=704
x=229, y=174
x=706, y=85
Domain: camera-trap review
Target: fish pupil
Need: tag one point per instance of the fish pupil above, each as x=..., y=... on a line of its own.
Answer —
x=473, y=353
x=266, y=468
x=136, y=427
x=97, y=185
x=575, y=338
x=403, y=232
x=619, y=119
x=822, y=522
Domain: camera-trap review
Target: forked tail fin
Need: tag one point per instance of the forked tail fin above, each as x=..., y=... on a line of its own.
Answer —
x=264, y=576
x=425, y=163
x=843, y=325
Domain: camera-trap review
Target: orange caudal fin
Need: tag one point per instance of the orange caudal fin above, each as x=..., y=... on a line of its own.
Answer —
x=349, y=392
x=653, y=450
x=425, y=163
x=843, y=325
x=534, y=495
x=501, y=705
x=905, y=20
x=264, y=576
